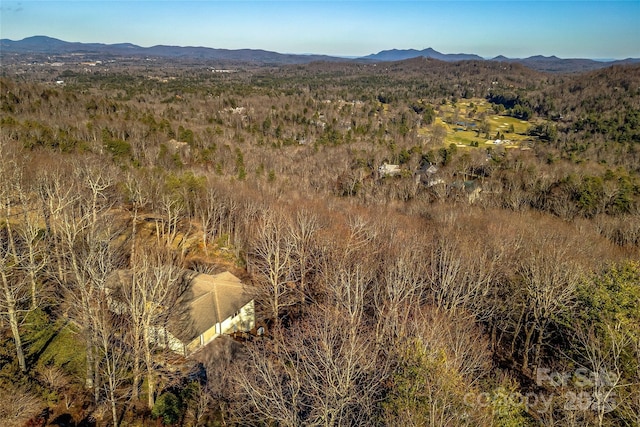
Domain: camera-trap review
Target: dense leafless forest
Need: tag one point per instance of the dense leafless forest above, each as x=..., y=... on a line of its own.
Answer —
x=488, y=275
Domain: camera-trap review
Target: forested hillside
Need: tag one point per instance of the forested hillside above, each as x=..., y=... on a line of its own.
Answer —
x=487, y=275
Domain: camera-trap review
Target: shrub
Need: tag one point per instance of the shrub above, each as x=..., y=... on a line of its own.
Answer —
x=168, y=408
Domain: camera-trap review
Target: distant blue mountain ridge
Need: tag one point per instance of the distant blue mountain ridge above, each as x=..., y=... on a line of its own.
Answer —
x=399, y=55
x=51, y=46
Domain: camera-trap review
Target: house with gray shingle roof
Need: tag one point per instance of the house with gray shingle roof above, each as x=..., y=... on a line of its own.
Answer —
x=218, y=304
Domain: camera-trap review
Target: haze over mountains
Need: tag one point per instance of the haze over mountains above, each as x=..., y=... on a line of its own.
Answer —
x=43, y=45
x=52, y=46
x=399, y=55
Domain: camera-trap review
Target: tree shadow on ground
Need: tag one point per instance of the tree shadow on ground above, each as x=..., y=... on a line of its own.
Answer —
x=63, y=420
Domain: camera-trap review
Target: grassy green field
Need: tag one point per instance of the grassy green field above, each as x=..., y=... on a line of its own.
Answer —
x=463, y=120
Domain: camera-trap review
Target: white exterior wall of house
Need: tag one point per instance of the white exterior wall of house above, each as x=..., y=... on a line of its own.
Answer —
x=389, y=170
x=215, y=297
x=163, y=338
x=193, y=345
x=243, y=321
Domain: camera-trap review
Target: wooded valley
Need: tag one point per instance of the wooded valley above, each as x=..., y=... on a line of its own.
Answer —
x=427, y=243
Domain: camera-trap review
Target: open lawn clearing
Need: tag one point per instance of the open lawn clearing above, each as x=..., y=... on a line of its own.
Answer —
x=462, y=129
x=498, y=122
x=464, y=137
x=54, y=344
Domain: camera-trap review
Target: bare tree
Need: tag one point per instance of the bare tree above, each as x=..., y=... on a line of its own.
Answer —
x=549, y=278
x=96, y=179
x=172, y=211
x=348, y=267
x=439, y=363
x=18, y=405
x=402, y=284
x=324, y=373
x=14, y=293
x=112, y=355
x=36, y=256
x=22, y=255
x=57, y=193
x=56, y=379
x=270, y=261
x=150, y=293
x=217, y=396
x=90, y=256
x=271, y=386
x=342, y=371
x=603, y=355
x=461, y=275
x=304, y=230
x=207, y=211
x=326, y=369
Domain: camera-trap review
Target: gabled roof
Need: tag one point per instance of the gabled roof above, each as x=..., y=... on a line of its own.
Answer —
x=431, y=169
x=428, y=168
x=214, y=298
x=209, y=299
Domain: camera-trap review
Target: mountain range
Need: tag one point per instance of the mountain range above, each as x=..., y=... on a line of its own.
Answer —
x=538, y=62
x=51, y=46
x=44, y=45
x=399, y=55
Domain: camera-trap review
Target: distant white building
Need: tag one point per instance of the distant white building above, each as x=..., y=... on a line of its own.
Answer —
x=386, y=169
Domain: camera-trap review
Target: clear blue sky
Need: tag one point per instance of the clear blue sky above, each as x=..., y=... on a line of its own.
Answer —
x=568, y=29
